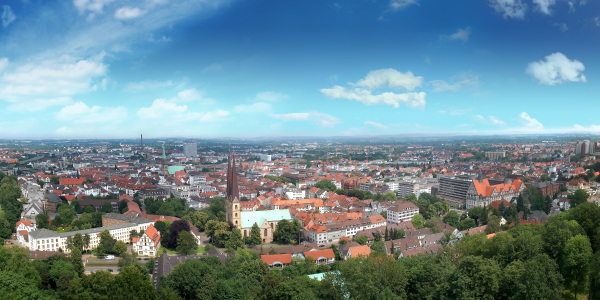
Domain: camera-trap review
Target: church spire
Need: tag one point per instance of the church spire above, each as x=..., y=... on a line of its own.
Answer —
x=232, y=182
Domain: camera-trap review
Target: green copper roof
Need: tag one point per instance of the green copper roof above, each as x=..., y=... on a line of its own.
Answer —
x=173, y=169
x=259, y=217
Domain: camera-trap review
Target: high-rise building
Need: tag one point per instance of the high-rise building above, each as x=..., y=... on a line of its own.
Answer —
x=585, y=147
x=190, y=150
x=454, y=189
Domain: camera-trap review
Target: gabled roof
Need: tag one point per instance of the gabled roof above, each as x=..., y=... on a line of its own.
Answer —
x=357, y=251
x=318, y=254
x=271, y=259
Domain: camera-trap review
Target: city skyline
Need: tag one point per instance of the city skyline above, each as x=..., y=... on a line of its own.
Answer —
x=115, y=69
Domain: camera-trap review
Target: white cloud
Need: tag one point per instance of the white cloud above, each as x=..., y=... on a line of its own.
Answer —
x=38, y=104
x=258, y=107
x=160, y=108
x=496, y=121
x=412, y=99
x=213, y=68
x=3, y=63
x=490, y=120
x=95, y=6
x=556, y=69
x=126, y=13
x=530, y=122
x=390, y=78
x=401, y=4
x=459, y=82
x=323, y=119
x=142, y=86
x=8, y=16
x=270, y=96
x=382, y=79
x=211, y=116
x=597, y=21
x=544, y=5
x=51, y=79
x=461, y=34
x=189, y=95
x=81, y=113
x=510, y=8
x=376, y=125
x=561, y=26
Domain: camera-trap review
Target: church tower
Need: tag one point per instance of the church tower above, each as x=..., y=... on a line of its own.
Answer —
x=164, y=167
x=234, y=211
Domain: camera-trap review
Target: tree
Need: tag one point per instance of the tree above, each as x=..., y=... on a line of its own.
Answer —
x=466, y=224
x=384, y=214
x=186, y=243
x=479, y=214
x=55, y=179
x=361, y=239
x=452, y=218
x=501, y=208
x=177, y=227
x=235, y=240
x=418, y=221
x=123, y=207
x=577, y=254
x=254, y=238
x=119, y=248
x=42, y=220
x=326, y=185
x=133, y=283
x=493, y=225
x=107, y=207
x=474, y=278
x=286, y=232
x=580, y=196
x=106, y=244
x=77, y=261
x=197, y=219
x=86, y=241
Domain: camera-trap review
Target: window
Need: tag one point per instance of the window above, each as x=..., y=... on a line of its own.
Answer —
x=265, y=232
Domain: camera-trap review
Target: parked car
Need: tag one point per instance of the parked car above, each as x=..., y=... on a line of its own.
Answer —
x=110, y=257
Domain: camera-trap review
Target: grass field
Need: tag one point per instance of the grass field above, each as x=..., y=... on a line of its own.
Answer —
x=101, y=264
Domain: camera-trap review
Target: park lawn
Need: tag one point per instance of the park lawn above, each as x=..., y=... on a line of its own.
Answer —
x=101, y=264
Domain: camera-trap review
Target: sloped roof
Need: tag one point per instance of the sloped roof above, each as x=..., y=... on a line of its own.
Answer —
x=317, y=254
x=357, y=251
x=277, y=258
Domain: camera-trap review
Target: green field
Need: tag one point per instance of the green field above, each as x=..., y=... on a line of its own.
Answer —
x=101, y=264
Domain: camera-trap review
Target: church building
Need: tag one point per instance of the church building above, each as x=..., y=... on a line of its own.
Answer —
x=244, y=220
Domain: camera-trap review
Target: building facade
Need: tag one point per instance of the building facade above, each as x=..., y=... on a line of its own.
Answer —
x=403, y=211
x=481, y=193
x=454, y=189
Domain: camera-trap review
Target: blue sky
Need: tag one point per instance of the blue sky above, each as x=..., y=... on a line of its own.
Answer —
x=227, y=68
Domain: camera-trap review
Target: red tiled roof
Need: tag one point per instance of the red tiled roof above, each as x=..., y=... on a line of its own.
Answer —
x=327, y=253
x=72, y=181
x=24, y=222
x=273, y=258
x=357, y=251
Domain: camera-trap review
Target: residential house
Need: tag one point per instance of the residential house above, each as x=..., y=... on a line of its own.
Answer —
x=148, y=244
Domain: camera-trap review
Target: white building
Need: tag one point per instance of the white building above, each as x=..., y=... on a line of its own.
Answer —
x=402, y=212
x=148, y=244
x=48, y=240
